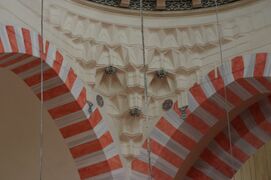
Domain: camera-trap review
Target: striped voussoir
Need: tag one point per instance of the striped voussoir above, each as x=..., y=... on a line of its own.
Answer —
x=87, y=136
x=173, y=139
x=249, y=131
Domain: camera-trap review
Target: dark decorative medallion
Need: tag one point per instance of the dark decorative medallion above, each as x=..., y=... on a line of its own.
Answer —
x=167, y=104
x=161, y=74
x=100, y=100
x=135, y=112
x=110, y=70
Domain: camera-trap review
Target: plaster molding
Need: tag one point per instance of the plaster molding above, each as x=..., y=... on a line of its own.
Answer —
x=180, y=50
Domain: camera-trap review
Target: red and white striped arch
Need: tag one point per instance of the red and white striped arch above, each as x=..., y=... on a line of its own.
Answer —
x=182, y=147
x=87, y=136
x=249, y=131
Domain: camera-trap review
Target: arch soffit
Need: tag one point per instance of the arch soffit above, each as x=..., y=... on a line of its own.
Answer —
x=177, y=144
x=85, y=134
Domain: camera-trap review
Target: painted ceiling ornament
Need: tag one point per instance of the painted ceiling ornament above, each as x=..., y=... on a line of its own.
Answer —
x=90, y=106
x=167, y=104
x=110, y=70
x=170, y=5
x=135, y=112
x=161, y=74
x=100, y=100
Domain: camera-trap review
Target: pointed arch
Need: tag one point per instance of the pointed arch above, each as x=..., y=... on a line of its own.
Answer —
x=182, y=148
x=86, y=135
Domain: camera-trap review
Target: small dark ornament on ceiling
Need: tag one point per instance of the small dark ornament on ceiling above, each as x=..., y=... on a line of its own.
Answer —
x=90, y=106
x=161, y=74
x=135, y=112
x=167, y=105
x=110, y=70
x=100, y=100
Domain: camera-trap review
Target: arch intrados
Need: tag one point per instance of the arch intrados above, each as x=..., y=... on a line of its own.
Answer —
x=85, y=134
x=250, y=72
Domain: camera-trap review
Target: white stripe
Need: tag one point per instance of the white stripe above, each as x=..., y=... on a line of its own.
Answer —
x=135, y=175
x=21, y=63
x=96, y=157
x=226, y=73
x=207, y=87
x=158, y=162
x=77, y=87
x=81, y=138
x=19, y=39
x=249, y=65
x=192, y=103
x=51, y=55
x=59, y=101
x=64, y=71
x=267, y=68
x=169, y=143
x=70, y=119
x=35, y=44
x=5, y=40
x=118, y=174
x=209, y=170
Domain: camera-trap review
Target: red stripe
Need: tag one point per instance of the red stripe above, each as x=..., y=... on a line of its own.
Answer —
x=197, y=174
x=101, y=167
x=16, y=60
x=1, y=47
x=92, y=146
x=238, y=67
x=75, y=129
x=64, y=110
x=26, y=66
x=95, y=118
x=27, y=41
x=217, y=163
x=70, y=78
x=140, y=166
x=218, y=83
x=198, y=93
x=224, y=143
x=259, y=118
x=260, y=64
x=35, y=79
x=58, y=62
x=197, y=123
x=143, y=167
x=163, y=152
x=54, y=92
x=175, y=134
x=232, y=98
x=6, y=56
x=245, y=133
x=176, y=108
x=214, y=109
x=42, y=54
x=82, y=98
x=266, y=83
x=12, y=39
x=256, y=112
x=247, y=86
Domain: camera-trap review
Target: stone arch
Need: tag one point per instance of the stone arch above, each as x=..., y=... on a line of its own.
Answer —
x=85, y=134
x=182, y=148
